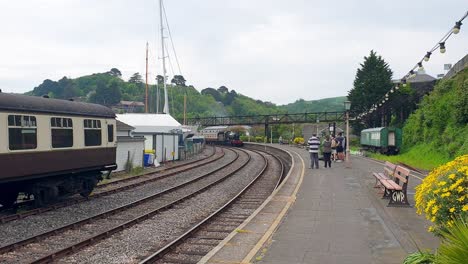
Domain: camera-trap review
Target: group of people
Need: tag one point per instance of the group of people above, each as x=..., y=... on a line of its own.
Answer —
x=332, y=149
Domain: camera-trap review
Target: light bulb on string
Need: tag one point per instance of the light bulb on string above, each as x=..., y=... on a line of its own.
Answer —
x=421, y=68
x=386, y=98
x=403, y=81
x=442, y=47
x=391, y=90
x=412, y=74
x=428, y=55
x=456, y=28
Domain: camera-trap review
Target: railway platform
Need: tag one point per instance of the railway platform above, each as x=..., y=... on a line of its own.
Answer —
x=329, y=215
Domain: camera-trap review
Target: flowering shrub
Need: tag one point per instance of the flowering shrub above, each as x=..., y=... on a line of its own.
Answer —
x=299, y=140
x=443, y=194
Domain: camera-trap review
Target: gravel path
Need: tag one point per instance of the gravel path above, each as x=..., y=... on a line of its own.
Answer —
x=133, y=244
x=33, y=225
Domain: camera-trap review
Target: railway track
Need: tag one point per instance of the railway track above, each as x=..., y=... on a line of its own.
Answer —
x=51, y=245
x=112, y=187
x=195, y=243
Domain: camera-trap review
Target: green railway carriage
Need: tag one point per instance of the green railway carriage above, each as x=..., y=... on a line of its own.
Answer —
x=384, y=139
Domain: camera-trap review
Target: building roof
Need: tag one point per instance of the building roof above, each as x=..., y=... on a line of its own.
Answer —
x=25, y=103
x=215, y=127
x=150, y=123
x=121, y=126
x=419, y=78
x=131, y=103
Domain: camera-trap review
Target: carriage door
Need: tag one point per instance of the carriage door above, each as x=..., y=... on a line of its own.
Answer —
x=391, y=139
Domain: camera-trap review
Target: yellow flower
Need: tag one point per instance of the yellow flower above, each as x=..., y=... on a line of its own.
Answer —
x=442, y=183
x=465, y=208
x=460, y=189
x=433, y=219
x=452, y=176
x=461, y=199
x=436, y=191
x=430, y=229
x=435, y=209
x=452, y=209
x=447, y=194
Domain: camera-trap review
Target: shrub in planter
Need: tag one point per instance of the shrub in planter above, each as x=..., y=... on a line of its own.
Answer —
x=299, y=141
x=443, y=194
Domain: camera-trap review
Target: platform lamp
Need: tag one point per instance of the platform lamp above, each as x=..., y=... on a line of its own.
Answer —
x=347, y=105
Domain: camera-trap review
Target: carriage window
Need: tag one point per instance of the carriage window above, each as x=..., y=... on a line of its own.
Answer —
x=62, y=132
x=110, y=133
x=92, y=132
x=22, y=132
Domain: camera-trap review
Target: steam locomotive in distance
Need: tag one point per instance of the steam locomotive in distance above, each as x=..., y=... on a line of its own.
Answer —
x=52, y=148
x=222, y=136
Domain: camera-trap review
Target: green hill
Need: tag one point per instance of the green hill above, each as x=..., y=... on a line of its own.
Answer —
x=440, y=125
x=109, y=89
x=335, y=104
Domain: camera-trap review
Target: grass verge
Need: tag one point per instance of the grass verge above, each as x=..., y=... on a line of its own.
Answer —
x=420, y=156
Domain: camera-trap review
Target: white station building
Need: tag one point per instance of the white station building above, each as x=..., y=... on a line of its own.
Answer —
x=162, y=132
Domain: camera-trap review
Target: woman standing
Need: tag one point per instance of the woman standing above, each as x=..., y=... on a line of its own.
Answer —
x=327, y=150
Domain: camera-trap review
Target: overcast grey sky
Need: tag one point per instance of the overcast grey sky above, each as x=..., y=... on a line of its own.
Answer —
x=273, y=50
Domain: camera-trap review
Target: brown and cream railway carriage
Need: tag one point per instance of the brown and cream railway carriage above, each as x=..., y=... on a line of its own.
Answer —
x=51, y=148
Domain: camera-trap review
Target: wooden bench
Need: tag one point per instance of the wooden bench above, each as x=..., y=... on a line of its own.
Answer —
x=387, y=174
x=396, y=187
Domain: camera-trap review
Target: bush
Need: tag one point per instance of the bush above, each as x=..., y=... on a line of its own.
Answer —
x=259, y=139
x=299, y=141
x=454, y=247
x=443, y=194
x=420, y=257
x=244, y=138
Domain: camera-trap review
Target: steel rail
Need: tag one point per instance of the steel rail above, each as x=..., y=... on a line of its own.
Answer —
x=76, y=224
x=161, y=252
x=55, y=206
x=90, y=241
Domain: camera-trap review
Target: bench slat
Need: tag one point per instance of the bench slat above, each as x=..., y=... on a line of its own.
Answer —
x=402, y=174
x=392, y=185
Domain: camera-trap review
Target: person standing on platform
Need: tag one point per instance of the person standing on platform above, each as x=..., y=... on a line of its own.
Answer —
x=333, y=147
x=314, y=144
x=327, y=150
x=339, y=148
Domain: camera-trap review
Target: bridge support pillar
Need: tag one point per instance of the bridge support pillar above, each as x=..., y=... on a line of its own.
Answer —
x=266, y=131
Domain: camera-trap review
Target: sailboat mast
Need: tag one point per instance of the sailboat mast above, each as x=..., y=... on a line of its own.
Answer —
x=166, y=101
x=146, y=94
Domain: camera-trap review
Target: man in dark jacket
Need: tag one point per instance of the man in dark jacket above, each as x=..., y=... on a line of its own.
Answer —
x=326, y=149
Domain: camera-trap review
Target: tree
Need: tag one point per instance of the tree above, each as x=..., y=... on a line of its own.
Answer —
x=136, y=78
x=178, y=80
x=223, y=89
x=372, y=81
x=115, y=72
x=160, y=79
x=107, y=94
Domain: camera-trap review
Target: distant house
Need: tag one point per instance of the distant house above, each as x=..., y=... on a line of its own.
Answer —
x=131, y=106
x=129, y=147
x=422, y=83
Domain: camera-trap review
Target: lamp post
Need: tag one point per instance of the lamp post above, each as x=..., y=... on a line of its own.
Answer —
x=347, y=105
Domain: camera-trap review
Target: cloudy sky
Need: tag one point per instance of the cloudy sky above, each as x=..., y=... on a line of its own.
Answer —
x=273, y=50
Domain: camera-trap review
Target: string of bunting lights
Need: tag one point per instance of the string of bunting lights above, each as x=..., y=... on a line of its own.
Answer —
x=411, y=74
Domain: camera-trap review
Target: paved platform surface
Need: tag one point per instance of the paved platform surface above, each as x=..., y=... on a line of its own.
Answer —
x=336, y=217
